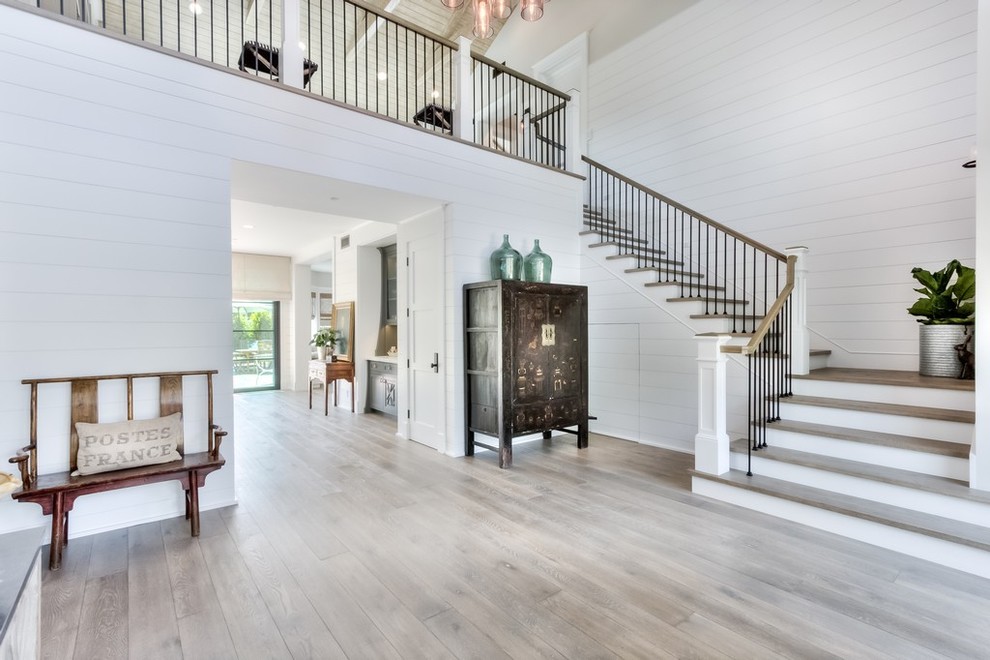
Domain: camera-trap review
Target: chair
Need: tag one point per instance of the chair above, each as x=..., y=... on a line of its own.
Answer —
x=435, y=117
x=264, y=59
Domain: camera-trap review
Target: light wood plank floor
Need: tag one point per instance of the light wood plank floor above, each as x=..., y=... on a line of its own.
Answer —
x=349, y=543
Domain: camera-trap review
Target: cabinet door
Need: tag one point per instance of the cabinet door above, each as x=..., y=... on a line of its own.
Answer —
x=564, y=356
x=530, y=340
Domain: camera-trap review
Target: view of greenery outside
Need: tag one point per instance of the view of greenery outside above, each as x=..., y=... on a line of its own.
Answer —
x=255, y=342
x=252, y=323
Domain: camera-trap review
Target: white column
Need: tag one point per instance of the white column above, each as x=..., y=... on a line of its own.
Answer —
x=573, y=135
x=979, y=459
x=290, y=61
x=800, y=338
x=711, y=443
x=463, y=87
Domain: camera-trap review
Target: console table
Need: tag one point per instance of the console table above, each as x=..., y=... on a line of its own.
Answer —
x=330, y=372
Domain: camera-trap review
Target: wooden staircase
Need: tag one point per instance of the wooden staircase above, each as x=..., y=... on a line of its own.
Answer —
x=880, y=456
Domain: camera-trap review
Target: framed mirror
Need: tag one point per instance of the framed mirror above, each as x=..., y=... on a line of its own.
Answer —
x=343, y=322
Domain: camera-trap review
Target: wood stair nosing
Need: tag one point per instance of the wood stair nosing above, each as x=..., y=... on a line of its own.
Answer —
x=666, y=271
x=817, y=352
x=610, y=228
x=720, y=301
x=925, y=524
x=889, y=475
x=878, y=438
x=666, y=262
x=961, y=416
x=693, y=286
x=728, y=317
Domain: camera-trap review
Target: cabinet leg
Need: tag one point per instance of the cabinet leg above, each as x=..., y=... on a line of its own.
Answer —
x=469, y=443
x=310, y=393
x=505, y=453
x=546, y=435
x=326, y=398
x=583, y=436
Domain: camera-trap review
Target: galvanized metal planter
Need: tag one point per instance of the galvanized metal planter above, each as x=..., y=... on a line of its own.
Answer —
x=937, y=349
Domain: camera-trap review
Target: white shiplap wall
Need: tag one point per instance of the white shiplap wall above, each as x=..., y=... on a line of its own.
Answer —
x=836, y=125
x=115, y=231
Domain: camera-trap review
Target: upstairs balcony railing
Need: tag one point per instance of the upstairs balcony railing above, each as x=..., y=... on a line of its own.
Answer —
x=355, y=55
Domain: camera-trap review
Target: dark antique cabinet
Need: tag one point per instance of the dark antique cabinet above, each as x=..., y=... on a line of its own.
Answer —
x=526, y=362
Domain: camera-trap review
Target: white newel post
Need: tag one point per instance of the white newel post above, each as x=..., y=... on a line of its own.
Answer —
x=711, y=443
x=463, y=86
x=290, y=60
x=800, y=338
x=573, y=134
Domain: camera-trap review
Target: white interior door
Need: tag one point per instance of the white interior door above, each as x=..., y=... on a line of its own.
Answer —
x=425, y=300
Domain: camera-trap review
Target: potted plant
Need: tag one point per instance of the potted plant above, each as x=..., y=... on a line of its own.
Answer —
x=325, y=339
x=947, y=309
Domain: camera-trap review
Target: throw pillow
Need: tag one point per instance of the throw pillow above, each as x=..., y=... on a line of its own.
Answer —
x=120, y=445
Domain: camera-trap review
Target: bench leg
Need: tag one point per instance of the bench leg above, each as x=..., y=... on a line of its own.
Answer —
x=59, y=525
x=194, y=502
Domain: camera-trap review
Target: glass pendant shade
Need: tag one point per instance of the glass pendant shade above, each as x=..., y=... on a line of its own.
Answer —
x=531, y=10
x=483, y=19
x=452, y=4
x=501, y=9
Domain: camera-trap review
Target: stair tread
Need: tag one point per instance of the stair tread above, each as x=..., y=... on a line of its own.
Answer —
x=889, y=377
x=739, y=317
x=641, y=251
x=646, y=255
x=730, y=301
x=924, y=445
x=608, y=226
x=665, y=271
x=946, y=415
x=692, y=285
x=888, y=475
x=817, y=352
x=974, y=536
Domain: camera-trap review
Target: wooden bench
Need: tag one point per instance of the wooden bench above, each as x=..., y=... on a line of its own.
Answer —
x=57, y=492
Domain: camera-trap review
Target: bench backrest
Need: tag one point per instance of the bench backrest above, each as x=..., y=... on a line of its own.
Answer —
x=85, y=402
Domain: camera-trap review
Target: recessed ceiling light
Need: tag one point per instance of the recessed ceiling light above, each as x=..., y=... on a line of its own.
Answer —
x=248, y=226
x=334, y=199
x=435, y=94
x=382, y=75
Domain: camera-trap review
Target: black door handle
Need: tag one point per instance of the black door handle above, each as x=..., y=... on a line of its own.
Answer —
x=436, y=363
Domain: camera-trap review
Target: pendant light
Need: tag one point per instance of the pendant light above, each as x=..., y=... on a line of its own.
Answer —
x=501, y=9
x=452, y=4
x=531, y=10
x=483, y=28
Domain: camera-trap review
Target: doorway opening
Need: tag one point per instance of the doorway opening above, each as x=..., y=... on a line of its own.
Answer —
x=255, y=346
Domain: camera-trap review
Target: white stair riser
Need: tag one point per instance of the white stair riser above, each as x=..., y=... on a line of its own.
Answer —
x=976, y=513
x=906, y=396
x=953, y=555
x=818, y=362
x=881, y=422
x=894, y=457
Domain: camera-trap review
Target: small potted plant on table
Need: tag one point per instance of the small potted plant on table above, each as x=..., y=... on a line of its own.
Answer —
x=947, y=310
x=324, y=340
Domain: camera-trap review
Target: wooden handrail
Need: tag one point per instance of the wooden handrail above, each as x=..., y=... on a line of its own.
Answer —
x=521, y=76
x=771, y=315
x=780, y=256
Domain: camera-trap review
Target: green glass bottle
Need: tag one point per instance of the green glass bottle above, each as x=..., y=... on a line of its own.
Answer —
x=538, y=265
x=506, y=263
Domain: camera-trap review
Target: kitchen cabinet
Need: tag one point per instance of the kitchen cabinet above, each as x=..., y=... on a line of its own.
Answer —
x=382, y=381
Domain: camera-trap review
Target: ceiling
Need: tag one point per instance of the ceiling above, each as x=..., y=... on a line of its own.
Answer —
x=283, y=212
